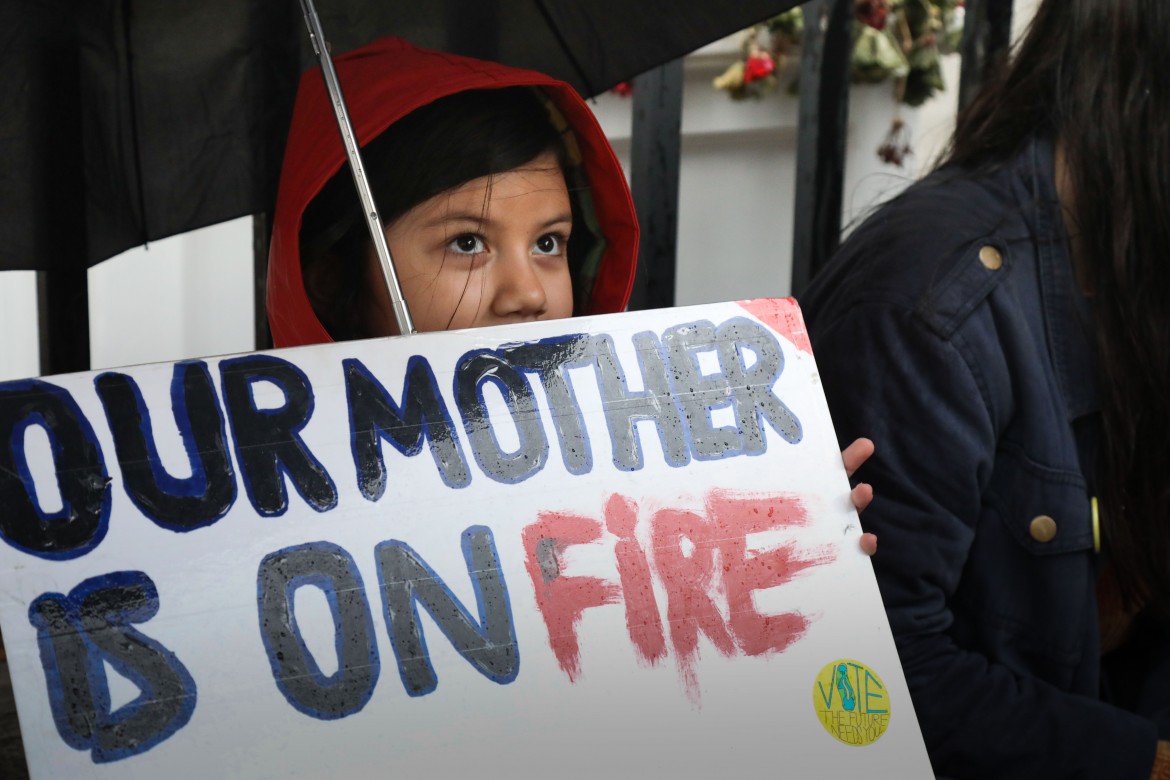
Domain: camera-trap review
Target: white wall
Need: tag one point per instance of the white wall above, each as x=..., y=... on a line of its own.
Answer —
x=191, y=295
x=185, y=296
x=18, y=324
x=738, y=173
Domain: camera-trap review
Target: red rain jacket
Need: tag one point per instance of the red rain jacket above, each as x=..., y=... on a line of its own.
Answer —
x=383, y=82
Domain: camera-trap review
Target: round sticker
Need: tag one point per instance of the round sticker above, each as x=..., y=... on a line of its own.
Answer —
x=852, y=702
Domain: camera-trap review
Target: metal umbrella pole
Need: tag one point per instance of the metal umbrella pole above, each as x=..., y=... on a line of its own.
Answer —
x=369, y=209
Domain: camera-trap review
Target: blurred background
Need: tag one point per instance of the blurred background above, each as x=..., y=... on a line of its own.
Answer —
x=193, y=295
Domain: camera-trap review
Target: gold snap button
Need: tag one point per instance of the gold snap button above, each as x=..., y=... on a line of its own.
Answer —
x=1042, y=528
x=991, y=258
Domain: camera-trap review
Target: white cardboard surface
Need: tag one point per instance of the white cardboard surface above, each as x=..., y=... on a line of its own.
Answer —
x=731, y=706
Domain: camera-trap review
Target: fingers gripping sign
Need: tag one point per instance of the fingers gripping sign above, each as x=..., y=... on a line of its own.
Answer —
x=854, y=457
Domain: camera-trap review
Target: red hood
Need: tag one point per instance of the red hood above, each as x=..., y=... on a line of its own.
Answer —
x=382, y=83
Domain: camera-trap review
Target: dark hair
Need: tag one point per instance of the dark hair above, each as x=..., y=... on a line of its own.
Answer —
x=454, y=140
x=1094, y=76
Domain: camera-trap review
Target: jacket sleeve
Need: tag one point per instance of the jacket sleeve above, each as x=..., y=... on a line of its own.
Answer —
x=926, y=406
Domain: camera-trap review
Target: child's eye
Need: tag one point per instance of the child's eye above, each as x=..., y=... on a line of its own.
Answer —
x=549, y=244
x=467, y=244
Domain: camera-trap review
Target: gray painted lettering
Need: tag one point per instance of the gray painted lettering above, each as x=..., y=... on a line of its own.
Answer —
x=407, y=581
x=624, y=408
x=166, y=700
x=92, y=625
x=474, y=369
x=751, y=388
x=550, y=360
x=548, y=559
x=296, y=672
x=64, y=656
x=699, y=394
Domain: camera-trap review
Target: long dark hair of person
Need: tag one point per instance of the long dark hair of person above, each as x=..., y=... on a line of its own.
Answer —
x=1094, y=76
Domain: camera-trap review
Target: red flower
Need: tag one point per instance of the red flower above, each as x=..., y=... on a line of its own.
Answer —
x=872, y=12
x=758, y=65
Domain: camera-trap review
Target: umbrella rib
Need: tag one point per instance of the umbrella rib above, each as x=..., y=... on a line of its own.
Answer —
x=556, y=31
x=134, y=144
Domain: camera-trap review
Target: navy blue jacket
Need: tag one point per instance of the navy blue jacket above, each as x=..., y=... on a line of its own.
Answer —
x=949, y=329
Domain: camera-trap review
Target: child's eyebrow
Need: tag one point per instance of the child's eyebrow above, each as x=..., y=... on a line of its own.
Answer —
x=478, y=219
x=557, y=220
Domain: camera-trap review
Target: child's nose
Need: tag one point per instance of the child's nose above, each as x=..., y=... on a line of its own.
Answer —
x=519, y=290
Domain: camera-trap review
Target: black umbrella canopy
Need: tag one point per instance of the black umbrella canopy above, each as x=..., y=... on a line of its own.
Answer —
x=126, y=121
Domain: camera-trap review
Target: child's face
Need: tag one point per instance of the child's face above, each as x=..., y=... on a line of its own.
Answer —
x=489, y=252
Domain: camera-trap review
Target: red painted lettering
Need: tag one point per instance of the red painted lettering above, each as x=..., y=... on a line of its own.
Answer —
x=735, y=517
x=561, y=598
x=703, y=565
x=688, y=579
x=643, y=620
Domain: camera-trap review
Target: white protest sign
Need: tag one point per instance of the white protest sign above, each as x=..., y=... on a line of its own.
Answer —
x=609, y=546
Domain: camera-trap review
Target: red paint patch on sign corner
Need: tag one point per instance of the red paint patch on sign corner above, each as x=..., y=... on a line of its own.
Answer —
x=783, y=316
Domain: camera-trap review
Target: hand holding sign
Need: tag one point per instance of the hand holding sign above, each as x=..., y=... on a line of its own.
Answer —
x=854, y=456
